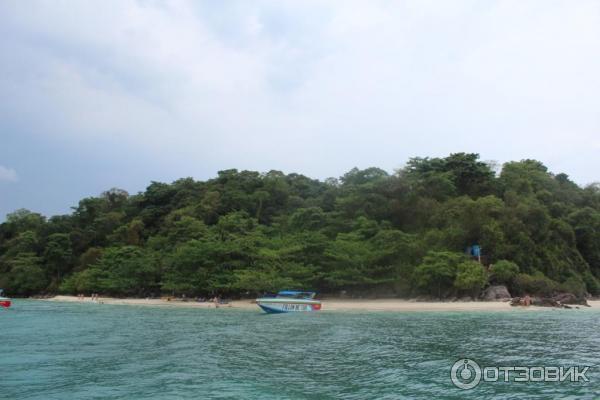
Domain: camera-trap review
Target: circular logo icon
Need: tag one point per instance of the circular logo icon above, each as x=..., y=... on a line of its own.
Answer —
x=465, y=374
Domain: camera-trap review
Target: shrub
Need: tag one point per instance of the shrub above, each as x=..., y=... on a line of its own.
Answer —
x=575, y=285
x=504, y=272
x=470, y=277
x=437, y=272
x=538, y=284
x=592, y=284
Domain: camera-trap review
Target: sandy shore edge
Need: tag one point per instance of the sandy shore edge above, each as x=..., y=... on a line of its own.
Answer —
x=328, y=304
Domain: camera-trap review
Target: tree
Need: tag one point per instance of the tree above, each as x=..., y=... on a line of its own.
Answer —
x=349, y=262
x=23, y=242
x=91, y=280
x=471, y=177
x=90, y=257
x=586, y=226
x=126, y=270
x=460, y=171
x=264, y=280
x=360, y=177
x=236, y=223
x=308, y=219
x=366, y=232
x=23, y=220
x=185, y=229
x=437, y=272
x=115, y=197
x=592, y=284
x=135, y=231
x=26, y=276
x=470, y=277
x=504, y=272
x=188, y=269
x=58, y=253
x=575, y=285
x=537, y=283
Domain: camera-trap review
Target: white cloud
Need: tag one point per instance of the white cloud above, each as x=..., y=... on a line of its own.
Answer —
x=8, y=174
x=316, y=87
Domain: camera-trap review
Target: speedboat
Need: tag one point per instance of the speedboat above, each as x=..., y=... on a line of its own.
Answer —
x=289, y=301
x=4, y=301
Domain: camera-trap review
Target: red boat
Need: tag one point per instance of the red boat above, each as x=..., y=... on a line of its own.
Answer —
x=4, y=301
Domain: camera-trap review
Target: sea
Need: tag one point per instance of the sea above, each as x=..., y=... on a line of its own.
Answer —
x=53, y=350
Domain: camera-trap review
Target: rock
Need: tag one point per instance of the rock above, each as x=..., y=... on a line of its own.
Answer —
x=570, y=298
x=565, y=298
x=559, y=300
x=494, y=293
x=544, y=302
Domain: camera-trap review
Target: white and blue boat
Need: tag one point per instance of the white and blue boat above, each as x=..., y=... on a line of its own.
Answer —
x=289, y=301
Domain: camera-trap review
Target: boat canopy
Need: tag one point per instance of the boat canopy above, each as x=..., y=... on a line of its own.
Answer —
x=296, y=294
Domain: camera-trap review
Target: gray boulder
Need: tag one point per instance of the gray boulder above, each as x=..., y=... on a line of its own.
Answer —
x=569, y=298
x=544, y=302
x=496, y=293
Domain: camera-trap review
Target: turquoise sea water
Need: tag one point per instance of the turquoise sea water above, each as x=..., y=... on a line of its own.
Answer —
x=89, y=351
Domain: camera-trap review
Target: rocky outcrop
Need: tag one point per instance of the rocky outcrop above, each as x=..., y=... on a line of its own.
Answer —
x=496, y=293
x=560, y=300
x=544, y=302
x=570, y=298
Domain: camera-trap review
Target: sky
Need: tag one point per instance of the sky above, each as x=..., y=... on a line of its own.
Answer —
x=102, y=94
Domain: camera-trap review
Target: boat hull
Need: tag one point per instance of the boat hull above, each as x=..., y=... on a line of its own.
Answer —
x=5, y=302
x=277, y=306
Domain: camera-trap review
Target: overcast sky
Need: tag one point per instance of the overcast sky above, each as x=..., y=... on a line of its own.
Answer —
x=118, y=93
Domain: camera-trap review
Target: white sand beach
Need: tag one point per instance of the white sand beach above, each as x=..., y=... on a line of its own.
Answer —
x=328, y=304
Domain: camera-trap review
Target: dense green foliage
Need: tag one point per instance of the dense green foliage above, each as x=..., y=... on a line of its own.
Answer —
x=369, y=232
x=503, y=272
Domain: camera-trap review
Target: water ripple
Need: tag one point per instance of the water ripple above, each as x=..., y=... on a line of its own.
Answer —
x=84, y=351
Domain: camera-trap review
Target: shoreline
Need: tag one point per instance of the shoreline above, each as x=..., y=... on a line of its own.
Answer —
x=397, y=305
